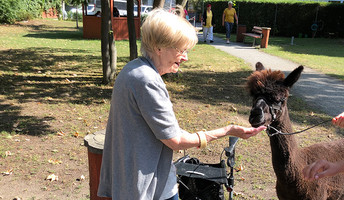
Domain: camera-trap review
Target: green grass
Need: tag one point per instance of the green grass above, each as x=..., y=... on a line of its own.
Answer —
x=324, y=55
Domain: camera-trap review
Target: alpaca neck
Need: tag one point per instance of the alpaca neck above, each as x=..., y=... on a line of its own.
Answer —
x=283, y=147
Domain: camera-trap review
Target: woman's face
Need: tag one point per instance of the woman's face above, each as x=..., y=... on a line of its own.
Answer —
x=169, y=59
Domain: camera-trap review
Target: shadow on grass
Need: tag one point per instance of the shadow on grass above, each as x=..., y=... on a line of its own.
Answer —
x=52, y=32
x=36, y=27
x=47, y=76
x=32, y=60
x=13, y=121
x=75, y=35
x=36, y=75
x=41, y=73
x=211, y=88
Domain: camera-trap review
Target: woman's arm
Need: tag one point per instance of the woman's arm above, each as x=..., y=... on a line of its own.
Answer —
x=223, y=19
x=185, y=140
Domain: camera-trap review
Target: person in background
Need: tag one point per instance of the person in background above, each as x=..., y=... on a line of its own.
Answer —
x=186, y=14
x=323, y=168
x=115, y=12
x=142, y=130
x=228, y=20
x=98, y=14
x=208, y=24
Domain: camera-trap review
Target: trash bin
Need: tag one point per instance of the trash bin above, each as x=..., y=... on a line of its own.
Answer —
x=95, y=145
x=265, y=40
x=240, y=30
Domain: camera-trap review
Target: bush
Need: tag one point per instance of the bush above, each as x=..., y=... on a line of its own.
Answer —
x=8, y=13
x=18, y=10
x=72, y=16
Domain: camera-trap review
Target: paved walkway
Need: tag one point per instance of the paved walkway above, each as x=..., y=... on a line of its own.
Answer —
x=320, y=91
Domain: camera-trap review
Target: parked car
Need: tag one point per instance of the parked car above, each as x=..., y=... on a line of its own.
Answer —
x=73, y=10
x=93, y=7
x=144, y=9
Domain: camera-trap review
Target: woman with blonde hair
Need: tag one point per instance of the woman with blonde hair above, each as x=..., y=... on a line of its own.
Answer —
x=142, y=130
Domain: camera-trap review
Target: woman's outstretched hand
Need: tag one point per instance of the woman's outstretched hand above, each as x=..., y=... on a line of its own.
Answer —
x=243, y=132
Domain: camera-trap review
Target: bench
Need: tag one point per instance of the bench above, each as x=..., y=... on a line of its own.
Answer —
x=256, y=33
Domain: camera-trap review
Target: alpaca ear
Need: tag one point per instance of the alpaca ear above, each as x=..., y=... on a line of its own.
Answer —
x=293, y=77
x=259, y=66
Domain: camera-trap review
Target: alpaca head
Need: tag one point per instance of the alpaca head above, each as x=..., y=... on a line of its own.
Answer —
x=270, y=90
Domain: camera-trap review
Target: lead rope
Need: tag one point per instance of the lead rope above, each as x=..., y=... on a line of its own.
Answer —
x=277, y=132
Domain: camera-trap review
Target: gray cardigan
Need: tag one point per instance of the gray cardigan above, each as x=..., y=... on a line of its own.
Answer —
x=135, y=162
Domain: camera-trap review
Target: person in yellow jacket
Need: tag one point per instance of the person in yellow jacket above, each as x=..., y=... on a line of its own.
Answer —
x=228, y=19
x=208, y=24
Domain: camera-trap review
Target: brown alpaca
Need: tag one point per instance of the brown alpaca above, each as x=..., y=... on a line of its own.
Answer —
x=270, y=90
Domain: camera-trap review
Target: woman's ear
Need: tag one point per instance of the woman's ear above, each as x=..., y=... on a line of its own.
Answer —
x=157, y=51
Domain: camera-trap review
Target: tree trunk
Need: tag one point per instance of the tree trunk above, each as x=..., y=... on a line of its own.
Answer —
x=131, y=29
x=108, y=48
x=76, y=15
x=158, y=3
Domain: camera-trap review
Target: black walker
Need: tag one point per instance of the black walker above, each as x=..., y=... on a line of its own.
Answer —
x=203, y=181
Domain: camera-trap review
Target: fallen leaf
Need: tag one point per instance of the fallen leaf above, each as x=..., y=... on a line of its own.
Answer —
x=8, y=153
x=54, y=162
x=60, y=133
x=238, y=194
x=8, y=172
x=240, y=168
x=233, y=109
x=76, y=134
x=52, y=177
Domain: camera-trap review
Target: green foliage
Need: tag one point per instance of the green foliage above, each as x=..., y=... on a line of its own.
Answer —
x=18, y=10
x=47, y=4
x=72, y=16
x=28, y=10
x=7, y=12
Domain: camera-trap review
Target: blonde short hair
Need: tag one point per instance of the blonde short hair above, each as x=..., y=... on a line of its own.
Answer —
x=163, y=29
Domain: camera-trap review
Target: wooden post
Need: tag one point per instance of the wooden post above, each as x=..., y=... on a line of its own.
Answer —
x=95, y=145
x=240, y=29
x=265, y=40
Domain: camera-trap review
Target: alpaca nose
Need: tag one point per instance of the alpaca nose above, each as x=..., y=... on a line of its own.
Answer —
x=256, y=117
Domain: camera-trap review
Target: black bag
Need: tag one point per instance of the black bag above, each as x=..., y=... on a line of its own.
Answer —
x=200, y=181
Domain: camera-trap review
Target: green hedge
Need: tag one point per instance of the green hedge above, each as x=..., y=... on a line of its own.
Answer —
x=286, y=19
x=18, y=10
